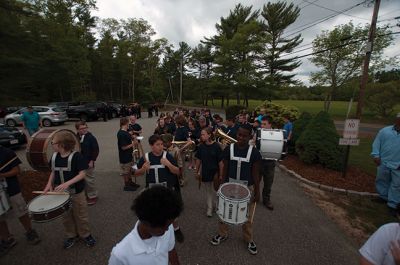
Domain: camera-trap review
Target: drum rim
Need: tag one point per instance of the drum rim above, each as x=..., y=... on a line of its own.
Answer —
x=220, y=194
x=49, y=210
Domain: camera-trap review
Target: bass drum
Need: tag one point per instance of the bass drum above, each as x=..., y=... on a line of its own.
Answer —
x=39, y=149
x=271, y=144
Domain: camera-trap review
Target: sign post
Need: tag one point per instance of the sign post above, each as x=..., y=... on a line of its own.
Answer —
x=350, y=137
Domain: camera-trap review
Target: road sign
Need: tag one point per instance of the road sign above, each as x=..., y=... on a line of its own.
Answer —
x=351, y=128
x=349, y=141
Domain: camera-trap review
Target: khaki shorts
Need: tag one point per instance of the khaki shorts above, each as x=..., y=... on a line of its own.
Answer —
x=18, y=207
x=126, y=169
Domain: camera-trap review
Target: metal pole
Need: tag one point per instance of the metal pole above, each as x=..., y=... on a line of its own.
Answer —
x=364, y=77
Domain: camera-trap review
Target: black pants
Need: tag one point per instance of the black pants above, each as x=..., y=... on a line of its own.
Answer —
x=267, y=172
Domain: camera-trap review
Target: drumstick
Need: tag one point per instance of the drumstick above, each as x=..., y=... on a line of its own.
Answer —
x=254, y=210
x=9, y=162
x=50, y=192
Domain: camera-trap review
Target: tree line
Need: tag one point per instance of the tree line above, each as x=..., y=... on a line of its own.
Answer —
x=56, y=50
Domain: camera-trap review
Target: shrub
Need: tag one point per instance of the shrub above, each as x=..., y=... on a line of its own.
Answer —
x=319, y=143
x=298, y=127
x=276, y=112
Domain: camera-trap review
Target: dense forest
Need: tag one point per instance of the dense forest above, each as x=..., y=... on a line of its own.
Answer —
x=56, y=50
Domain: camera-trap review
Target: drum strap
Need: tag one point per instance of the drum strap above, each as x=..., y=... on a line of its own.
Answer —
x=239, y=159
x=61, y=170
x=156, y=167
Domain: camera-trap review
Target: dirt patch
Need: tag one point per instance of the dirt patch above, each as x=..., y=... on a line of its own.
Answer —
x=355, y=179
x=31, y=180
x=332, y=205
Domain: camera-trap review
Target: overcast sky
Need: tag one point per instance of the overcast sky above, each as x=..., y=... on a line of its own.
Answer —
x=192, y=20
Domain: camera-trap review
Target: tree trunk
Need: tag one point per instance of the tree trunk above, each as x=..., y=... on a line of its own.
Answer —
x=222, y=101
x=237, y=98
x=227, y=100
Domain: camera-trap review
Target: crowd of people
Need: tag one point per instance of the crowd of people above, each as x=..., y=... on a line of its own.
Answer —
x=179, y=136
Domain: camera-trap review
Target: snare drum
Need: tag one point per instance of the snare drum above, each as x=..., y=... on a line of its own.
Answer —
x=271, y=143
x=233, y=202
x=45, y=208
x=4, y=205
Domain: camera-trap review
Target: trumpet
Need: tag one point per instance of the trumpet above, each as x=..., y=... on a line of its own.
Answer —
x=223, y=138
x=189, y=146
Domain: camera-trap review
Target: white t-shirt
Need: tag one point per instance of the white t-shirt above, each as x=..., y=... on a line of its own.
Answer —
x=377, y=248
x=133, y=250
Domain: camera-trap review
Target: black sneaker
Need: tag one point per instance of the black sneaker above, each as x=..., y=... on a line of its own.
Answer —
x=129, y=188
x=32, y=237
x=69, y=242
x=252, y=248
x=179, y=235
x=89, y=241
x=216, y=240
x=133, y=184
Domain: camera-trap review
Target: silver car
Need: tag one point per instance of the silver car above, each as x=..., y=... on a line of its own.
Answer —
x=49, y=116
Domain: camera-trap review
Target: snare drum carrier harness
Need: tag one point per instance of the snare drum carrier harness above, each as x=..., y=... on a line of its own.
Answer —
x=61, y=170
x=239, y=161
x=156, y=167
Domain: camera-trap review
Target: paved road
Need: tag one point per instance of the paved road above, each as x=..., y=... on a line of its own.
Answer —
x=296, y=232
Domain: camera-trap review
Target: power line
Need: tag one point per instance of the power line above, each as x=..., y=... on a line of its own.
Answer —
x=316, y=22
x=323, y=7
x=341, y=45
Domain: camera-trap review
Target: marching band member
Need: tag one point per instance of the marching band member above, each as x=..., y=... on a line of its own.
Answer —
x=68, y=174
x=161, y=127
x=231, y=127
x=181, y=134
x=267, y=169
x=125, y=150
x=134, y=128
x=175, y=153
x=90, y=151
x=194, y=134
x=241, y=164
x=209, y=160
x=161, y=169
x=9, y=170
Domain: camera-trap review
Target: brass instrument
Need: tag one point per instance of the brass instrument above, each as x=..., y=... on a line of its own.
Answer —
x=223, y=138
x=188, y=146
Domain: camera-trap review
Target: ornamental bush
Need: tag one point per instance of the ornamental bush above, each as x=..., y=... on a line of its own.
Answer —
x=277, y=111
x=319, y=143
x=298, y=128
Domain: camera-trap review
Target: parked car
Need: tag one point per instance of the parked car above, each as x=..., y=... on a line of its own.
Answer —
x=85, y=112
x=49, y=116
x=64, y=105
x=115, y=108
x=11, y=136
x=3, y=112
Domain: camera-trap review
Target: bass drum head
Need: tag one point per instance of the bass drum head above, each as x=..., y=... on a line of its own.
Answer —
x=39, y=149
x=45, y=203
x=234, y=191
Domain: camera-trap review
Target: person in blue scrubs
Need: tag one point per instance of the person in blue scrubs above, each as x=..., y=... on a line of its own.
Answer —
x=386, y=155
x=31, y=120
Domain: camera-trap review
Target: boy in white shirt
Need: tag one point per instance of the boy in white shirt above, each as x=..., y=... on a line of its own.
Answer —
x=152, y=241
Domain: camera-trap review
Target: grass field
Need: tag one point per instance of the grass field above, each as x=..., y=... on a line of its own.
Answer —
x=338, y=109
x=360, y=156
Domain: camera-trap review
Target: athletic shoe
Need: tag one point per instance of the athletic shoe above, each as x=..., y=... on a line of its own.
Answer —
x=6, y=245
x=69, y=242
x=129, y=188
x=179, y=235
x=133, y=184
x=89, y=241
x=32, y=237
x=216, y=240
x=92, y=201
x=252, y=248
x=269, y=205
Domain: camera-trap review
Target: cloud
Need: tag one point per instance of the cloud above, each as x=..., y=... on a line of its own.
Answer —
x=192, y=20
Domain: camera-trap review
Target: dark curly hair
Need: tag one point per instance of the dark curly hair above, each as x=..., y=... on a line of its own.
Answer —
x=157, y=205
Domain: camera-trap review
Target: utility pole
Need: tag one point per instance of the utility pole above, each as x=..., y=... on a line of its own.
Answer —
x=364, y=78
x=180, y=95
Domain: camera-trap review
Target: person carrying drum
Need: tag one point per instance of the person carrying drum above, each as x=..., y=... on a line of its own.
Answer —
x=9, y=169
x=241, y=165
x=68, y=174
x=89, y=151
x=152, y=239
x=160, y=168
x=209, y=161
x=267, y=169
x=125, y=150
x=134, y=128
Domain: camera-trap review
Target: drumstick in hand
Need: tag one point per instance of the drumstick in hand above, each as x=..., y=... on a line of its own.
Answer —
x=50, y=192
x=254, y=210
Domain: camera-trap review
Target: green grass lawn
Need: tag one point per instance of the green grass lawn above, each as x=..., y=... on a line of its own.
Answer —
x=360, y=156
x=338, y=108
